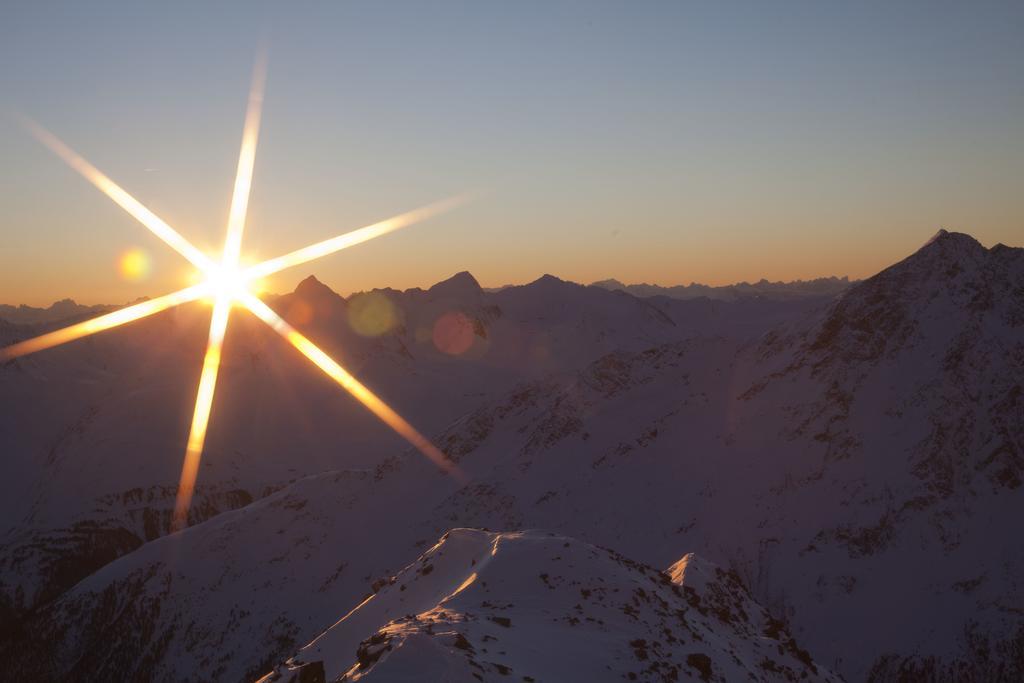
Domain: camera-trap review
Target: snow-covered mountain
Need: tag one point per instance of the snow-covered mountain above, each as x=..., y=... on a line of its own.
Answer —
x=94, y=431
x=855, y=463
x=543, y=607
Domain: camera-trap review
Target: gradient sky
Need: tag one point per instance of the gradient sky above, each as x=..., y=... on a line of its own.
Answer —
x=664, y=142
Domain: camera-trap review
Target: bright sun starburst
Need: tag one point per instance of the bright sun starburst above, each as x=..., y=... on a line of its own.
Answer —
x=228, y=285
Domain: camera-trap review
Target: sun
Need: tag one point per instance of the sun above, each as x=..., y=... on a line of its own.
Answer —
x=223, y=282
x=228, y=285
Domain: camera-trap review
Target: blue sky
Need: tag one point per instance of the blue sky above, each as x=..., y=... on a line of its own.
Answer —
x=664, y=142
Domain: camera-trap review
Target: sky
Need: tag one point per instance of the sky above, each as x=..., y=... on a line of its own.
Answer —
x=662, y=142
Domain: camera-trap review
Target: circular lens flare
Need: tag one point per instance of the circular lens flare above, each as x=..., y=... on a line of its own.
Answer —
x=453, y=333
x=134, y=265
x=372, y=314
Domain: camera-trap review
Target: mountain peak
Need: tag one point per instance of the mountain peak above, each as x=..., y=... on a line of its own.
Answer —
x=548, y=280
x=957, y=240
x=945, y=251
x=549, y=285
x=313, y=288
x=610, y=283
x=952, y=278
x=462, y=283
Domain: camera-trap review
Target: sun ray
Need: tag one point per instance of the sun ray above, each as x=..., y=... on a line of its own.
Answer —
x=201, y=413
x=104, y=322
x=120, y=197
x=352, y=238
x=223, y=303
x=229, y=284
x=356, y=388
x=246, y=163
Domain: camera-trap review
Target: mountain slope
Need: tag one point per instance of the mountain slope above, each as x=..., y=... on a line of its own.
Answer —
x=857, y=466
x=863, y=452
x=94, y=430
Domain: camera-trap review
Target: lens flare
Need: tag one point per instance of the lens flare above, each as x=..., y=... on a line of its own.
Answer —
x=133, y=265
x=353, y=386
x=227, y=283
x=371, y=314
x=351, y=239
x=246, y=163
x=453, y=333
x=226, y=280
x=201, y=414
x=127, y=202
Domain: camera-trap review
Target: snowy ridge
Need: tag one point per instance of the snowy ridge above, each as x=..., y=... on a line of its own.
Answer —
x=536, y=606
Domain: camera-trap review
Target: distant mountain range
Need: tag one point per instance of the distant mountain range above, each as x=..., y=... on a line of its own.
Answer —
x=824, y=286
x=60, y=310
x=847, y=468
